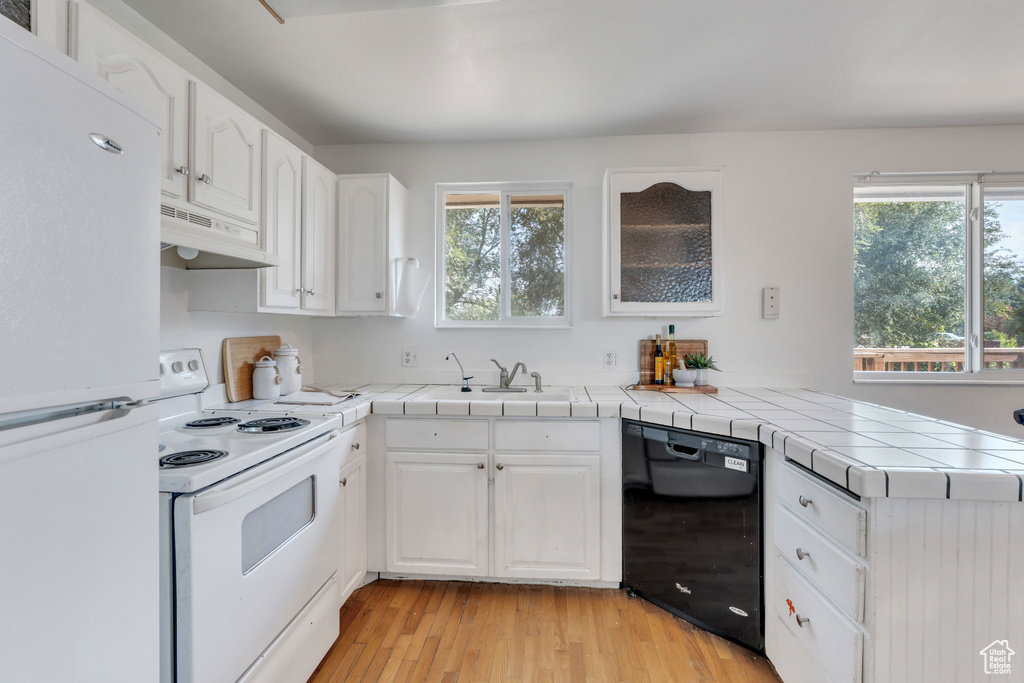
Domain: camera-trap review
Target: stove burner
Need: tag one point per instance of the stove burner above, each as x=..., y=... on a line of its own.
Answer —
x=273, y=424
x=187, y=458
x=207, y=422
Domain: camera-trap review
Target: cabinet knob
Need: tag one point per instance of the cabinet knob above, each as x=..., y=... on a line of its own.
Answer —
x=301, y=290
x=499, y=466
x=344, y=481
x=205, y=179
x=800, y=554
x=355, y=446
x=480, y=466
x=378, y=295
x=800, y=621
x=183, y=170
x=310, y=292
x=805, y=501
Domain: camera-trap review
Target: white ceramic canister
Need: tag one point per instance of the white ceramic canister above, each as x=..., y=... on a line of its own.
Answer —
x=266, y=381
x=290, y=367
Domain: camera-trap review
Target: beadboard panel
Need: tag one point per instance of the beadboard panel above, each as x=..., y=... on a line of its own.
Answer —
x=946, y=582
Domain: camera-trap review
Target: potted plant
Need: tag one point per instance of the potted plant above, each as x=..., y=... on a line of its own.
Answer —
x=700, y=363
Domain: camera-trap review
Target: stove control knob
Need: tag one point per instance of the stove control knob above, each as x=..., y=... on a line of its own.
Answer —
x=177, y=366
x=193, y=365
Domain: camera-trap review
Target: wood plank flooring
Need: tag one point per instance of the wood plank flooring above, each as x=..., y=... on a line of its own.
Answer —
x=456, y=631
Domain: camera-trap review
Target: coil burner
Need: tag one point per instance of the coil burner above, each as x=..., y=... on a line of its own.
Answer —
x=208, y=422
x=188, y=458
x=269, y=425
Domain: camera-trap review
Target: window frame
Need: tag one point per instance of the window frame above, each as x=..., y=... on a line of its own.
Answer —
x=974, y=281
x=503, y=190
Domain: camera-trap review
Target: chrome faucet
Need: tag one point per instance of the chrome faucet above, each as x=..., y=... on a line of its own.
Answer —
x=465, y=380
x=506, y=378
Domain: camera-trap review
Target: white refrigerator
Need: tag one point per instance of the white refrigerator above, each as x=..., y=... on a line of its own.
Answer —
x=79, y=337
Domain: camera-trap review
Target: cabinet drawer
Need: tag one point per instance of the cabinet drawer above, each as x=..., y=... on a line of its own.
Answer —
x=458, y=435
x=821, y=563
x=832, y=641
x=353, y=444
x=811, y=502
x=547, y=435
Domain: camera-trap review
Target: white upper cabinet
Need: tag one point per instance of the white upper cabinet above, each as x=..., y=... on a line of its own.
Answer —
x=282, y=220
x=142, y=73
x=225, y=156
x=663, y=242
x=318, y=238
x=371, y=227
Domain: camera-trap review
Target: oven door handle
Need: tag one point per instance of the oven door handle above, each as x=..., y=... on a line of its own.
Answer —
x=247, y=483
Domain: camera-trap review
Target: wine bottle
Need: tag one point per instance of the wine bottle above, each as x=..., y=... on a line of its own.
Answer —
x=670, y=355
x=659, y=363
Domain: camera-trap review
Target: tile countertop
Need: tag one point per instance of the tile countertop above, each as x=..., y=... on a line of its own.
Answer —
x=868, y=449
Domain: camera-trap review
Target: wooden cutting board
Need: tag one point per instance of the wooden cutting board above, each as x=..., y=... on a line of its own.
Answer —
x=240, y=356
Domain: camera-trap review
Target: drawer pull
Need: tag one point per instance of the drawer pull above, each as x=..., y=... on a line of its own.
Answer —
x=480, y=466
x=800, y=621
x=800, y=554
x=805, y=501
x=355, y=446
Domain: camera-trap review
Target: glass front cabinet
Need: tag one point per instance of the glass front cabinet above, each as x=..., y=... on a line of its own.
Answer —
x=663, y=242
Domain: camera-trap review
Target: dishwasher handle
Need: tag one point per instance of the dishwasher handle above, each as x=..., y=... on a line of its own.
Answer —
x=681, y=451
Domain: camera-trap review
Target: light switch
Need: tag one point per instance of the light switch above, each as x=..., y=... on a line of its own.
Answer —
x=770, y=303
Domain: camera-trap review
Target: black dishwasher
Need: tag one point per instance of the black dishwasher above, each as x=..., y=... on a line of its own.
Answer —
x=692, y=527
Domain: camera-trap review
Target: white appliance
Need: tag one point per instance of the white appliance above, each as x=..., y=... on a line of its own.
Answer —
x=79, y=227
x=250, y=535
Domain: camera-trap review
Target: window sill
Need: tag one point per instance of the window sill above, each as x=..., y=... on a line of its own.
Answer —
x=1013, y=378
x=500, y=326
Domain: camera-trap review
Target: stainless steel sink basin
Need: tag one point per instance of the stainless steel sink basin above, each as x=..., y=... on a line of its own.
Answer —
x=455, y=393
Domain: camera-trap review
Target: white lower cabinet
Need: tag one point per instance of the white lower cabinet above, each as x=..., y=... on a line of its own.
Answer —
x=353, y=503
x=437, y=513
x=502, y=498
x=547, y=516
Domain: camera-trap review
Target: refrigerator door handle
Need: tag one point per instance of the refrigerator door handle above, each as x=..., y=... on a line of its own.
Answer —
x=35, y=437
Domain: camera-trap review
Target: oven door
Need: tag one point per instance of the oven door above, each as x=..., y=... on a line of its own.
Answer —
x=250, y=552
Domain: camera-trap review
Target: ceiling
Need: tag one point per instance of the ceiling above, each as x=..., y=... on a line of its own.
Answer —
x=528, y=69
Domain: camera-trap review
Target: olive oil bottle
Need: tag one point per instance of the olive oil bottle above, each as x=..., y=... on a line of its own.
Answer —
x=659, y=363
x=671, y=360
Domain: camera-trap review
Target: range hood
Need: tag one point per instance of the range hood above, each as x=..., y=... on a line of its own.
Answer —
x=205, y=242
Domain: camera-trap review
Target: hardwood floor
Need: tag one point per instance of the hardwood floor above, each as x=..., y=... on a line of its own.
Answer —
x=455, y=631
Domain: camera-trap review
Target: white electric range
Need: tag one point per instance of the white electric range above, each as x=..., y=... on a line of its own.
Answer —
x=250, y=535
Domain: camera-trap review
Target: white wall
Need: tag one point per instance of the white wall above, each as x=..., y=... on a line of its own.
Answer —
x=788, y=208
x=180, y=328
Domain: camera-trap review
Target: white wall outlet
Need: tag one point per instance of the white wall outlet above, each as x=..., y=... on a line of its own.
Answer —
x=411, y=357
x=770, y=303
x=610, y=360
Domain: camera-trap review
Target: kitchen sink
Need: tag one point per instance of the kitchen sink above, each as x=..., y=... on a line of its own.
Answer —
x=453, y=392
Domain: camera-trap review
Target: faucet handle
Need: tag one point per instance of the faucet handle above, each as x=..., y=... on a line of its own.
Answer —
x=500, y=366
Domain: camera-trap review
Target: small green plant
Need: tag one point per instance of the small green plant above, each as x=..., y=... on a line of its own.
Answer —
x=698, y=361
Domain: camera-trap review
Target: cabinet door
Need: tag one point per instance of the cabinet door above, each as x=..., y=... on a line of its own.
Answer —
x=318, y=243
x=362, y=244
x=282, y=211
x=547, y=516
x=663, y=242
x=353, y=526
x=436, y=514
x=140, y=72
x=225, y=156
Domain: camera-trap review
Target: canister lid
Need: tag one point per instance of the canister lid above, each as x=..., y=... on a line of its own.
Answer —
x=286, y=350
x=266, y=362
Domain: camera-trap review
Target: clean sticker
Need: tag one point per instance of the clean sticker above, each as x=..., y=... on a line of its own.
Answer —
x=736, y=464
x=738, y=611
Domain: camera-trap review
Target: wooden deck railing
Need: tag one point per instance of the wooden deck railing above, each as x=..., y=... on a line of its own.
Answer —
x=930, y=360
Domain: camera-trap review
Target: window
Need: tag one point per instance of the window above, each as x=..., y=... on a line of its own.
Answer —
x=503, y=255
x=939, y=278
